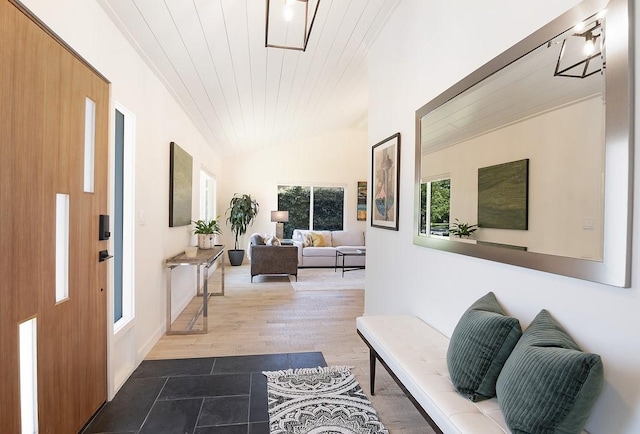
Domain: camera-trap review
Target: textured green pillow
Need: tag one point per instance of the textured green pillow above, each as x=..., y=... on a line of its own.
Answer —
x=548, y=386
x=480, y=345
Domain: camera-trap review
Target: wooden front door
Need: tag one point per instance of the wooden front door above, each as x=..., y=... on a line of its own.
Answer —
x=43, y=95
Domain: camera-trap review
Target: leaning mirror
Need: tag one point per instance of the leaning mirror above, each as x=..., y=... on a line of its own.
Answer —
x=527, y=160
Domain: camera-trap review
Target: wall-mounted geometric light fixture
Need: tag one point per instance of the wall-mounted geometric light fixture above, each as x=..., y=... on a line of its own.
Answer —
x=289, y=23
x=581, y=53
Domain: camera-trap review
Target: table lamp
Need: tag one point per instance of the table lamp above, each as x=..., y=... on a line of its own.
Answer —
x=279, y=218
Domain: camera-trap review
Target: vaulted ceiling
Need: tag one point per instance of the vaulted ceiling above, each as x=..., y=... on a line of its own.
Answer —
x=241, y=95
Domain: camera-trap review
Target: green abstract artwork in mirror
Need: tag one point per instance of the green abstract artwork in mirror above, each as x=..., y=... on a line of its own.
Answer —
x=503, y=194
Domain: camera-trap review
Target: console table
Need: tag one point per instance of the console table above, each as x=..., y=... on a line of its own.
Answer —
x=204, y=258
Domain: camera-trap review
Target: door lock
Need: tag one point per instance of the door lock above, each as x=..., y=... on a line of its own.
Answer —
x=104, y=233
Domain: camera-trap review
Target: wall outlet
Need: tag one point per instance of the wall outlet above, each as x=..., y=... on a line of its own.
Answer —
x=588, y=224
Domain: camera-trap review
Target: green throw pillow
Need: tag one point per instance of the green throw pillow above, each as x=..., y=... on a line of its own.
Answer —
x=548, y=386
x=480, y=345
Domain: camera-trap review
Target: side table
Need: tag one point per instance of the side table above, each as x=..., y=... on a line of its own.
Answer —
x=204, y=258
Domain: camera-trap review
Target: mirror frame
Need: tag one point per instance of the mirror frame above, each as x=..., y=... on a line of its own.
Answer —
x=615, y=268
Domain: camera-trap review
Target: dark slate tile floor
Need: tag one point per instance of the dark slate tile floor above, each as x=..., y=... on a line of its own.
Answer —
x=215, y=395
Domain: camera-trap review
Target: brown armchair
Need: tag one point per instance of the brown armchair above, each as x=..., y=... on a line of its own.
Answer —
x=274, y=260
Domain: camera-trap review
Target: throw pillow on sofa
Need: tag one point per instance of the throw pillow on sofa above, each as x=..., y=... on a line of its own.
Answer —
x=318, y=240
x=272, y=241
x=307, y=240
x=480, y=345
x=548, y=385
x=257, y=240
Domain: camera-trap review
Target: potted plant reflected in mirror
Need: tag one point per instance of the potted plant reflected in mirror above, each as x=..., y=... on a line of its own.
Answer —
x=206, y=232
x=462, y=230
x=242, y=210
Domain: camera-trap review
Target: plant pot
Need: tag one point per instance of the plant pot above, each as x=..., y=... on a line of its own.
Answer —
x=205, y=241
x=236, y=256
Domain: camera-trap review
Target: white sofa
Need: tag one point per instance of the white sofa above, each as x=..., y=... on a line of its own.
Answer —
x=309, y=256
x=415, y=354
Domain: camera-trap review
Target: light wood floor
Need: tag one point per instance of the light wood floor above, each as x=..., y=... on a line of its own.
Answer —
x=269, y=317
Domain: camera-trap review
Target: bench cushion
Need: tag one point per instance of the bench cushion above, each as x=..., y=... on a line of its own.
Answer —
x=416, y=353
x=480, y=345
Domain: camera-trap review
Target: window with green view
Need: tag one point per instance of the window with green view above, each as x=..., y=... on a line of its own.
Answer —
x=435, y=203
x=311, y=207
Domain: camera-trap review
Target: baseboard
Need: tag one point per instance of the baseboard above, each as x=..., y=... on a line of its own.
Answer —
x=150, y=343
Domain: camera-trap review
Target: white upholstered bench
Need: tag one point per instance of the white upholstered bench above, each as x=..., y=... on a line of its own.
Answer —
x=415, y=355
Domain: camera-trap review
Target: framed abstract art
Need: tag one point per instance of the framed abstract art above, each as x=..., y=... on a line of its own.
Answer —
x=180, y=179
x=385, y=186
x=362, y=201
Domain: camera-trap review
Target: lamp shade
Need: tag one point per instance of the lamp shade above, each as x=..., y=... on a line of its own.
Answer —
x=279, y=216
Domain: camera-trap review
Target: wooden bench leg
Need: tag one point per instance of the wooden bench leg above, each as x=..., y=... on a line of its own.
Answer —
x=372, y=370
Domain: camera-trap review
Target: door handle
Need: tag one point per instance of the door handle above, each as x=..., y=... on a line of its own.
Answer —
x=103, y=255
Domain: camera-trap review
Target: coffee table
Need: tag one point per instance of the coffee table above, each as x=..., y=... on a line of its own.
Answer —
x=343, y=253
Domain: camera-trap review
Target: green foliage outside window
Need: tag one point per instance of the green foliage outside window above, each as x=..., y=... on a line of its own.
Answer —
x=328, y=207
x=439, y=208
x=423, y=208
x=296, y=200
x=440, y=201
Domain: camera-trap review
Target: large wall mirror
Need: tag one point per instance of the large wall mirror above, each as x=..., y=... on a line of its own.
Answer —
x=534, y=151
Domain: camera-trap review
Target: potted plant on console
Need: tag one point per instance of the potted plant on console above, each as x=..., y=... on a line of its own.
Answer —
x=242, y=210
x=206, y=230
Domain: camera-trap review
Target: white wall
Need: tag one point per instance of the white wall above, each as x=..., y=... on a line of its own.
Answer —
x=85, y=26
x=425, y=47
x=337, y=158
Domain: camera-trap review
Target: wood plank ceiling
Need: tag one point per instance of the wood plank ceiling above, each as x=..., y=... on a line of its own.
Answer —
x=242, y=96
x=521, y=90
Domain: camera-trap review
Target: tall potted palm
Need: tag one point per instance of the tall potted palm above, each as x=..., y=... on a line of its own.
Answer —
x=240, y=214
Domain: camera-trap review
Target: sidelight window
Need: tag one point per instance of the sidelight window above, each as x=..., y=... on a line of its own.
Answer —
x=124, y=218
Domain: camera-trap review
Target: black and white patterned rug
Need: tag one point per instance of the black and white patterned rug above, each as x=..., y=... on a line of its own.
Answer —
x=319, y=400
